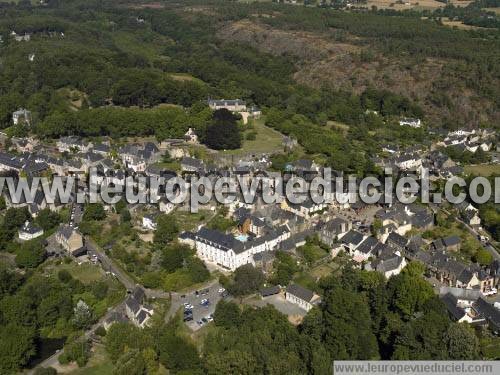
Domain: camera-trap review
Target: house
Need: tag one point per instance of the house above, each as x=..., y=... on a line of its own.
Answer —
x=408, y=161
x=21, y=38
x=351, y=240
x=191, y=137
x=490, y=313
x=166, y=206
x=70, y=239
x=302, y=297
x=69, y=144
x=139, y=154
x=264, y=261
x=456, y=312
x=331, y=230
x=364, y=250
x=138, y=313
x=29, y=232
x=235, y=105
x=451, y=243
x=270, y=291
x=21, y=116
x=102, y=149
x=306, y=209
x=396, y=241
x=192, y=165
x=149, y=222
x=412, y=122
x=469, y=214
x=389, y=265
x=230, y=252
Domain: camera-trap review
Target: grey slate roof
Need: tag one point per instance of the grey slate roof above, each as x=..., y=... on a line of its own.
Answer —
x=487, y=310
x=352, y=237
x=368, y=245
x=270, y=291
x=300, y=292
x=450, y=301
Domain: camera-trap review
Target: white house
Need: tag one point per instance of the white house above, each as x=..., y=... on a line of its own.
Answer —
x=230, y=253
x=412, y=122
x=191, y=136
x=21, y=116
x=29, y=232
x=234, y=105
x=302, y=297
x=406, y=162
x=149, y=222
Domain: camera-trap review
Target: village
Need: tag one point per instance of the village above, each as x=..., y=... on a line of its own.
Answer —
x=319, y=238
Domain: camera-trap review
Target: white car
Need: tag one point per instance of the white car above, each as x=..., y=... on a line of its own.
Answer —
x=221, y=290
x=491, y=292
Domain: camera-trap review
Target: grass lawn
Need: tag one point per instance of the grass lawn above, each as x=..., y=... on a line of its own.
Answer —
x=490, y=346
x=324, y=270
x=495, y=10
x=184, y=77
x=87, y=273
x=188, y=221
x=267, y=140
x=483, y=169
x=99, y=363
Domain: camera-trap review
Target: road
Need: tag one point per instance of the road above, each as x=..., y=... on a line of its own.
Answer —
x=487, y=246
x=110, y=265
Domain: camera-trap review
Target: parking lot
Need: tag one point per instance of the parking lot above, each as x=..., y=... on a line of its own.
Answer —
x=199, y=311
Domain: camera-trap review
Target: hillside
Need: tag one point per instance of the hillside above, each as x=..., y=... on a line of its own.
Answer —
x=450, y=84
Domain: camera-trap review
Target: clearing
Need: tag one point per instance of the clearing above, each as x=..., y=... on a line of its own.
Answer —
x=483, y=169
x=267, y=140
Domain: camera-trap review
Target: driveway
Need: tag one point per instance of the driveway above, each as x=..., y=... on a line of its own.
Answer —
x=281, y=304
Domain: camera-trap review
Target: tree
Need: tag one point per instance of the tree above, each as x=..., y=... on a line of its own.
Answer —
x=483, y=257
x=30, y=254
x=125, y=216
x=77, y=351
x=47, y=219
x=408, y=291
x=177, y=354
x=166, y=229
x=94, y=211
x=83, y=315
x=223, y=133
x=227, y=314
x=247, y=279
x=122, y=337
x=462, y=342
x=285, y=267
x=64, y=276
x=131, y=362
x=17, y=346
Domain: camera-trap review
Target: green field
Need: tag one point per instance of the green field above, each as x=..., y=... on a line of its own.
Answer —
x=483, y=169
x=87, y=273
x=267, y=140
